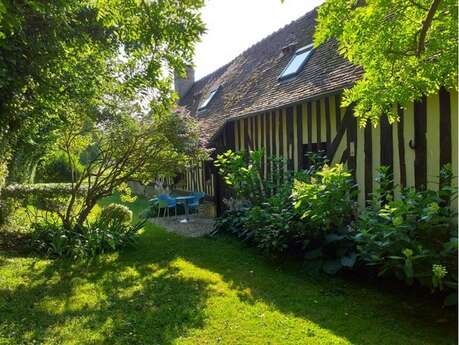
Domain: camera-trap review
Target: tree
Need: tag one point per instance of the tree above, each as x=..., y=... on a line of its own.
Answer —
x=64, y=56
x=407, y=49
x=118, y=147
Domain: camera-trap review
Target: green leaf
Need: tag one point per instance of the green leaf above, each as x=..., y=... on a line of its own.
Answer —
x=408, y=269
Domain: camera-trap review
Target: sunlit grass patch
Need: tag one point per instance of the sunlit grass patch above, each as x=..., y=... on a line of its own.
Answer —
x=176, y=290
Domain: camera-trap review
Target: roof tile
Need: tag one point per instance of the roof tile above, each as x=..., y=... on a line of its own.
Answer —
x=249, y=84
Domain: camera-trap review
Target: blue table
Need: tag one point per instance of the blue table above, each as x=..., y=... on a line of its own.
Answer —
x=184, y=200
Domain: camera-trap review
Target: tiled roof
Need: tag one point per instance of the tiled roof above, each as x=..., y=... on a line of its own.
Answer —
x=249, y=84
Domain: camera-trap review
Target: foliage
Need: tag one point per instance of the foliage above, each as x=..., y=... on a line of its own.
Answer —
x=62, y=58
x=291, y=214
x=327, y=200
x=232, y=222
x=273, y=225
x=264, y=216
x=56, y=168
x=406, y=49
x=116, y=212
x=46, y=190
x=242, y=171
x=269, y=226
x=413, y=237
x=102, y=236
x=42, y=201
x=153, y=145
x=325, y=203
x=316, y=161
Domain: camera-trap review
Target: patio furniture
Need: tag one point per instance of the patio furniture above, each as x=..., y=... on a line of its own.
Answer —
x=185, y=200
x=166, y=202
x=197, y=199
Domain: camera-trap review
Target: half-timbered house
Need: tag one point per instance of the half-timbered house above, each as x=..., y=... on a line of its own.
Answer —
x=283, y=95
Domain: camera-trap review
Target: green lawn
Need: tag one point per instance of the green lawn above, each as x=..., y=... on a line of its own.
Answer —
x=175, y=290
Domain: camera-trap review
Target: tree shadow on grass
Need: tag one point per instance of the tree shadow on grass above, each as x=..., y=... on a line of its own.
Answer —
x=358, y=311
x=142, y=297
x=110, y=301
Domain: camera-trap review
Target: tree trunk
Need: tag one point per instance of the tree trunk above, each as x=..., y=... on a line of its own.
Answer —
x=85, y=213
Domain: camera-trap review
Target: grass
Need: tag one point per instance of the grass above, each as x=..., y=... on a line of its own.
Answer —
x=175, y=290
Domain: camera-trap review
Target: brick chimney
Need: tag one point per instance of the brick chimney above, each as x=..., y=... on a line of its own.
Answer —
x=183, y=85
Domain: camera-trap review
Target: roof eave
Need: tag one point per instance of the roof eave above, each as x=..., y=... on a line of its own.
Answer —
x=284, y=105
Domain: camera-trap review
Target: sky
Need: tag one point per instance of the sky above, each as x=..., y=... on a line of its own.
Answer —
x=235, y=25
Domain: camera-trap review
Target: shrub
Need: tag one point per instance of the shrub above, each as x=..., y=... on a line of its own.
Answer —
x=56, y=168
x=272, y=225
x=327, y=200
x=325, y=203
x=267, y=226
x=40, y=200
x=44, y=190
x=242, y=171
x=413, y=237
x=52, y=239
x=262, y=214
x=232, y=222
x=102, y=236
x=270, y=220
x=99, y=237
x=116, y=213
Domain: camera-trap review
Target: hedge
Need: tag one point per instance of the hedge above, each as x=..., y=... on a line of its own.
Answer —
x=46, y=190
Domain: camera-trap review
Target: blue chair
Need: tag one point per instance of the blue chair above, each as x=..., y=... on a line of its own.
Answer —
x=166, y=202
x=194, y=204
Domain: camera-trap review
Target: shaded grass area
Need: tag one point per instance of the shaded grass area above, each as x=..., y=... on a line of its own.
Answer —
x=176, y=290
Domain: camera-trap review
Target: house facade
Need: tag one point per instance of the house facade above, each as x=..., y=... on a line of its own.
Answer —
x=283, y=95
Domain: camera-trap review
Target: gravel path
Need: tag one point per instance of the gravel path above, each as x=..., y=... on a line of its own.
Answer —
x=198, y=226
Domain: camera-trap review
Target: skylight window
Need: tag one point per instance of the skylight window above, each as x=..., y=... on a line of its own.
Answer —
x=297, y=62
x=208, y=100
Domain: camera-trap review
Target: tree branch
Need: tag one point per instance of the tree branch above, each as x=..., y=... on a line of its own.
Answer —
x=426, y=24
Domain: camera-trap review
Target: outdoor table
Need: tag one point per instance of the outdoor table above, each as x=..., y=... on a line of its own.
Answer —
x=184, y=200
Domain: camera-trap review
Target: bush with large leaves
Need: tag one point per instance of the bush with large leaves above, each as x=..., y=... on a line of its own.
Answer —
x=243, y=172
x=325, y=203
x=413, y=237
x=272, y=224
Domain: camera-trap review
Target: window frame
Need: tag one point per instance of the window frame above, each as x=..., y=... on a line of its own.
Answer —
x=306, y=49
x=209, y=99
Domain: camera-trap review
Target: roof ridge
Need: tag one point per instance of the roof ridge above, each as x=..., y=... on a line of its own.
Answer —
x=279, y=30
x=309, y=13
x=215, y=71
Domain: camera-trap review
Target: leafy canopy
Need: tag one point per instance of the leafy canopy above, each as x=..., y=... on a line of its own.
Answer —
x=63, y=57
x=407, y=48
x=118, y=147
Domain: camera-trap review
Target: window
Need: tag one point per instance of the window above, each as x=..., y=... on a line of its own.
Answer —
x=208, y=99
x=296, y=62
